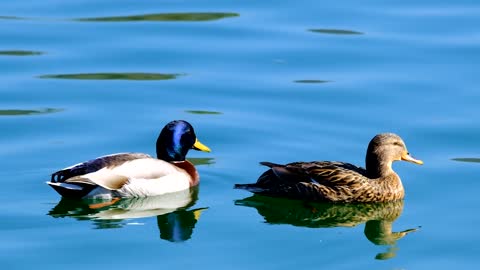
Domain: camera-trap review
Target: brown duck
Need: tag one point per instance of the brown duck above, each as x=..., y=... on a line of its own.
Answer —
x=334, y=181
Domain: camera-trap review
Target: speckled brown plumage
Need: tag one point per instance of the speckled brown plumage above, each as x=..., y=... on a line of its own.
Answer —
x=338, y=181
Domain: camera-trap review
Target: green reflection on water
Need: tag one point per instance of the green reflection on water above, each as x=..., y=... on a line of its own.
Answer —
x=311, y=81
x=20, y=53
x=188, y=17
x=202, y=112
x=477, y=160
x=201, y=161
x=15, y=112
x=113, y=76
x=335, y=31
x=10, y=18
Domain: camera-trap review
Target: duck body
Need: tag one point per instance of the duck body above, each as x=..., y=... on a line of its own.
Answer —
x=124, y=175
x=134, y=174
x=327, y=181
x=332, y=181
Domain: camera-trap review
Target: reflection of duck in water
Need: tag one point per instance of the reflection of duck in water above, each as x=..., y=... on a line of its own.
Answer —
x=378, y=217
x=331, y=181
x=174, y=218
x=178, y=226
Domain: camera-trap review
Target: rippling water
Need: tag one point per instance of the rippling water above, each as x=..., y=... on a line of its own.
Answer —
x=268, y=80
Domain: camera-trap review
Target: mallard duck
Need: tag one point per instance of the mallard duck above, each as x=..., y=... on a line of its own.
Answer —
x=135, y=174
x=333, y=181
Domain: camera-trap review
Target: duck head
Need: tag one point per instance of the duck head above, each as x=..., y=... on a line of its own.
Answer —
x=175, y=139
x=384, y=149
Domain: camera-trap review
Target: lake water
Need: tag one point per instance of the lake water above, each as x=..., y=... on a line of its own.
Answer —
x=278, y=81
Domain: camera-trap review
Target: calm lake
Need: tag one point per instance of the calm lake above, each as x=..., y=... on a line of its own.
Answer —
x=275, y=81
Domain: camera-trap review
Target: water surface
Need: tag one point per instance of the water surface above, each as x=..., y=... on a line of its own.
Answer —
x=260, y=81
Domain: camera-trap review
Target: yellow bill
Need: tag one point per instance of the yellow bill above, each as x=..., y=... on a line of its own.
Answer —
x=200, y=146
x=409, y=158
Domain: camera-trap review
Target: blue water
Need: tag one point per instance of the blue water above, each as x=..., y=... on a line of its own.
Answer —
x=259, y=80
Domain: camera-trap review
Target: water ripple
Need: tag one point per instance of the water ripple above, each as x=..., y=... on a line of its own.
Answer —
x=202, y=112
x=336, y=31
x=311, y=81
x=202, y=161
x=114, y=76
x=164, y=17
x=11, y=18
x=477, y=160
x=20, y=53
x=16, y=112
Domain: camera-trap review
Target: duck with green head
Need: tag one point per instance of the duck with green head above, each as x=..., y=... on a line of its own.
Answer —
x=135, y=174
x=333, y=181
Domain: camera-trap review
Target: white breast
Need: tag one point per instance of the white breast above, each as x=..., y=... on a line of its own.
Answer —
x=146, y=177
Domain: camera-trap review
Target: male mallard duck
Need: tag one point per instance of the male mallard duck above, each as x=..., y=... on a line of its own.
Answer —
x=135, y=174
x=338, y=181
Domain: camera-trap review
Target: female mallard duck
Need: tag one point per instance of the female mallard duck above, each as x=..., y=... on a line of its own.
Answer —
x=337, y=181
x=135, y=174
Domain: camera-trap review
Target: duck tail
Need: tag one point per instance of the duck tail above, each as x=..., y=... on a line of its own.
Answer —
x=254, y=188
x=271, y=164
x=70, y=190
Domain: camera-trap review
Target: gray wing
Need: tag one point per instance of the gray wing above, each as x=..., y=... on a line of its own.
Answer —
x=95, y=165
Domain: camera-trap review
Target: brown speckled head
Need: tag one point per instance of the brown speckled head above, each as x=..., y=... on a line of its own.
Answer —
x=382, y=150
